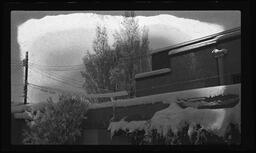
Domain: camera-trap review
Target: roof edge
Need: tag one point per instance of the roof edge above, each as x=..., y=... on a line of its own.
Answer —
x=227, y=32
x=152, y=73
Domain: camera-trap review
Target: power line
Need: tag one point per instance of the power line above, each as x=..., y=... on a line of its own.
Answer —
x=59, y=85
x=55, y=66
x=43, y=87
x=58, y=69
x=56, y=79
x=49, y=75
x=53, y=89
x=76, y=82
x=59, y=80
x=64, y=79
x=81, y=67
x=40, y=87
x=77, y=93
x=69, y=79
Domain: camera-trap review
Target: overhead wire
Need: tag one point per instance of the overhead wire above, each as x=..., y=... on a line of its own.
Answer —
x=55, y=66
x=61, y=79
x=80, y=67
x=64, y=78
x=54, y=78
x=76, y=82
x=58, y=68
x=55, y=89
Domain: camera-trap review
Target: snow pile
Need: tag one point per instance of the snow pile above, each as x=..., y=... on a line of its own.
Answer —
x=126, y=126
x=174, y=117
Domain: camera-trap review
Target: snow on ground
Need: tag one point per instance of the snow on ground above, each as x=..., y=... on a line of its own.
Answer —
x=174, y=116
x=124, y=125
x=215, y=120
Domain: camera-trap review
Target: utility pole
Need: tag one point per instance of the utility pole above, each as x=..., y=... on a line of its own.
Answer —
x=25, y=63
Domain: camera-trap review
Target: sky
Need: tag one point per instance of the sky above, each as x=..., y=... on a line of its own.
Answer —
x=61, y=38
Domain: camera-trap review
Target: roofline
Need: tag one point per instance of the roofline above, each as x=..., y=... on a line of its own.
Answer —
x=194, y=41
x=152, y=73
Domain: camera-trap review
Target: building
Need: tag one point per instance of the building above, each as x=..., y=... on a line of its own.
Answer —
x=209, y=61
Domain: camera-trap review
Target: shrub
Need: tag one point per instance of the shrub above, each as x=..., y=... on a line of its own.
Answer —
x=56, y=123
x=199, y=136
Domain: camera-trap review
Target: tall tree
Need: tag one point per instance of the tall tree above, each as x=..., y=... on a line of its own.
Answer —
x=114, y=70
x=99, y=64
x=131, y=44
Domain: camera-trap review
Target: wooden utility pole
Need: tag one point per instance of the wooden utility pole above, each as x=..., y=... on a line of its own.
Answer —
x=25, y=63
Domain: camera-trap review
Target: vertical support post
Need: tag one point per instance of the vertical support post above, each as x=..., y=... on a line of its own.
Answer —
x=219, y=54
x=26, y=78
x=114, y=107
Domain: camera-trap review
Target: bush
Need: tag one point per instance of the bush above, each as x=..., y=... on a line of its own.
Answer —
x=56, y=123
x=199, y=136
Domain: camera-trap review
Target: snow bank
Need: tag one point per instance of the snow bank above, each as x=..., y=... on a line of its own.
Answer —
x=215, y=120
x=174, y=117
x=126, y=126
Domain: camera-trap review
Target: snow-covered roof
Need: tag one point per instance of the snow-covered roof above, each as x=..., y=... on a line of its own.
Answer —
x=171, y=96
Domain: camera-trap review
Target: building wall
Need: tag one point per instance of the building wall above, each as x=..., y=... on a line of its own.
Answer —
x=192, y=69
x=159, y=64
x=158, y=84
